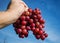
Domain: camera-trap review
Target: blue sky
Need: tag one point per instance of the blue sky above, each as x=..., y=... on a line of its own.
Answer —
x=50, y=10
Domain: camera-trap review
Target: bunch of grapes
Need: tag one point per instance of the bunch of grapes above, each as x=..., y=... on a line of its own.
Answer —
x=30, y=20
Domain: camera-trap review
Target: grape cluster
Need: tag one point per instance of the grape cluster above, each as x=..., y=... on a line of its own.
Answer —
x=30, y=20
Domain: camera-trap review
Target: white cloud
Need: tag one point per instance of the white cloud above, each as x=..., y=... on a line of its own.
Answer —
x=53, y=36
x=14, y=38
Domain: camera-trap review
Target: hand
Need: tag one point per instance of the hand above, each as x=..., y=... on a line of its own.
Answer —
x=16, y=8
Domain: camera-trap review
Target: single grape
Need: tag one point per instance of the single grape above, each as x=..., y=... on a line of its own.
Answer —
x=22, y=17
x=31, y=21
x=40, y=32
x=42, y=37
x=30, y=10
x=37, y=36
x=23, y=22
x=28, y=28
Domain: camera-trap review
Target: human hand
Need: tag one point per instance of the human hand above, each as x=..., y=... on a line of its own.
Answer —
x=15, y=9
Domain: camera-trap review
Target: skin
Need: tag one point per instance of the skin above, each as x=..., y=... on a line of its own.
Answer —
x=16, y=8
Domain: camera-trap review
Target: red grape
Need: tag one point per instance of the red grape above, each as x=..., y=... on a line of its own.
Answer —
x=27, y=17
x=30, y=10
x=23, y=27
x=32, y=25
x=27, y=13
x=36, y=30
x=40, y=32
x=37, y=36
x=33, y=28
x=28, y=28
x=35, y=20
x=21, y=36
x=26, y=35
x=42, y=37
x=37, y=24
x=34, y=16
x=39, y=16
x=24, y=22
x=30, y=20
x=22, y=17
x=24, y=31
x=46, y=35
x=18, y=31
x=41, y=21
x=42, y=25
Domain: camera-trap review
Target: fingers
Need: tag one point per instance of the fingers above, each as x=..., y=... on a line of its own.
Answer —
x=17, y=6
x=26, y=7
x=20, y=2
